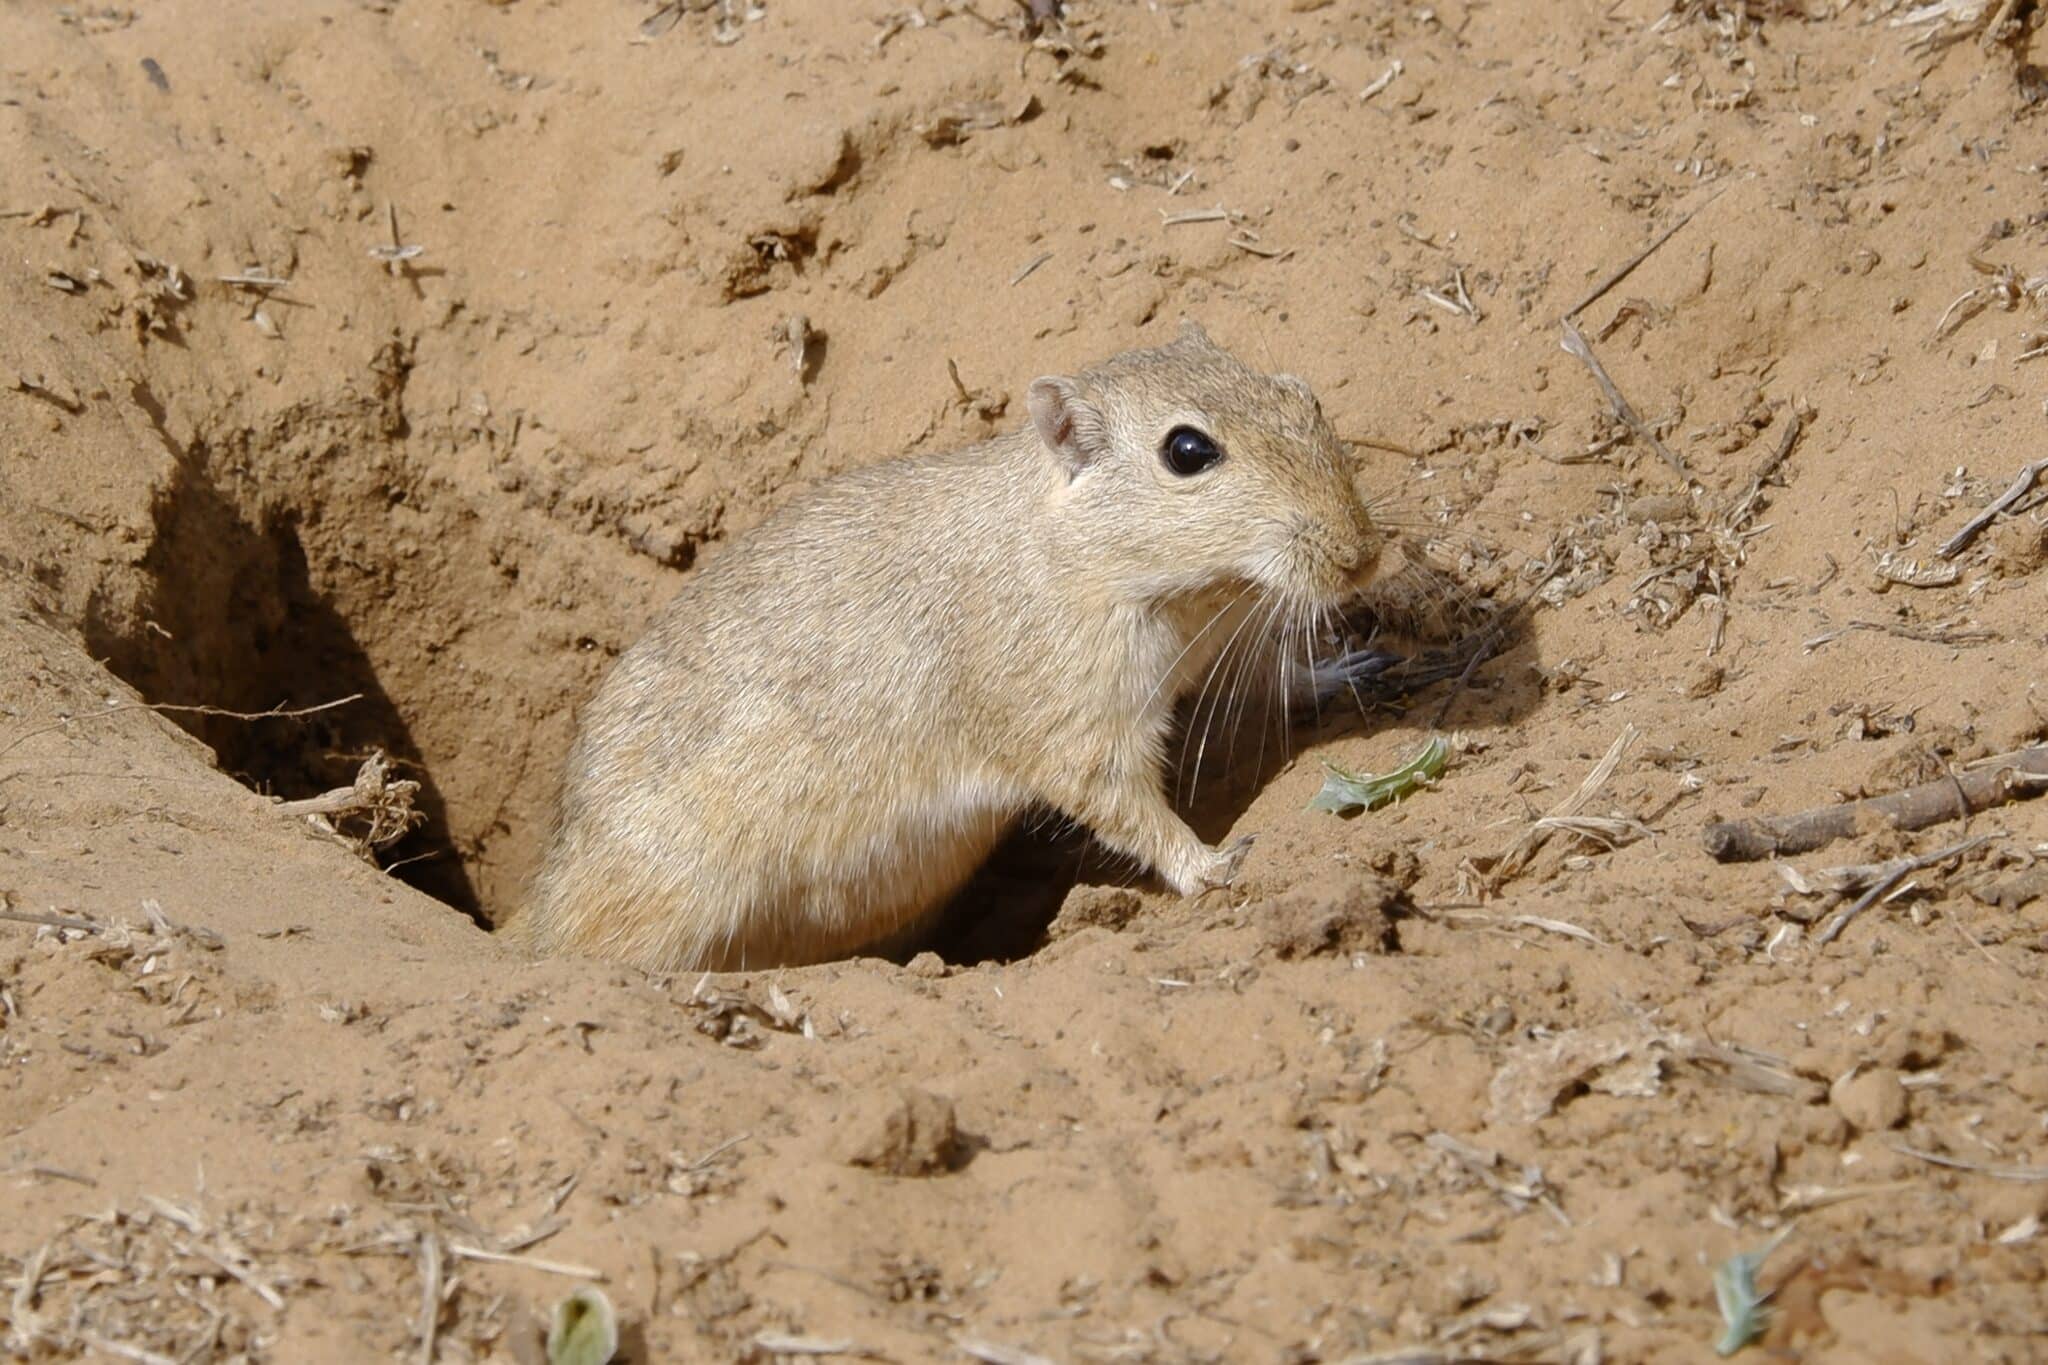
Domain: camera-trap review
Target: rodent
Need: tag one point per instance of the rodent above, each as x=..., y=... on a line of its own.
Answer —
x=842, y=712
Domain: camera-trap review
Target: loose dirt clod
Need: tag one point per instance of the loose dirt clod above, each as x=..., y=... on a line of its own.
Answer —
x=1871, y=1100
x=1335, y=912
x=909, y=1132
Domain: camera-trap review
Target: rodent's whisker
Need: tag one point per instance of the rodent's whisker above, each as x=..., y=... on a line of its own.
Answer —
x=1216, y=667
x=1304, y=626
x=1278, y=645
x=1438, y=517
x=1199, y=721
x=1250, y=586
x=1196, y=639
x=1271, y=638
x=1241, y=675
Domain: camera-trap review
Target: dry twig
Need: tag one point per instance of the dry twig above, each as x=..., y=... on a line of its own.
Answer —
x=430, y=1294
x=279, y=711
x=84, y=926
x=1575, y=345
x=385, y=800
x=1890, y=875
x=579, y=1272
x=2009, y=777
x=2021, y=483
x=2021, y=1173
x=1628, y=267
x=1036, y=261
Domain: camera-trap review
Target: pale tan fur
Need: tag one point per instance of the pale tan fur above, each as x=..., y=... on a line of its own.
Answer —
x=842, y=712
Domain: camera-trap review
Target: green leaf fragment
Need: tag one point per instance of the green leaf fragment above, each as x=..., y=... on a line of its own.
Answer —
x=1345, y=792
x=1744, y=1310
x=585, y=1329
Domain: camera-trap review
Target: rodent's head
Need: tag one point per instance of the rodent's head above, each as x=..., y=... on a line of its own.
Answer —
x=1187, y=470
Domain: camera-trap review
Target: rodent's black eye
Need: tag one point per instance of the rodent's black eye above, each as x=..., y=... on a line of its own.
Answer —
x=1188, y=451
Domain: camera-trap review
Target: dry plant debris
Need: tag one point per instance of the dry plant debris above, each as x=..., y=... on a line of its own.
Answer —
x=2021, y=485
x=371, y=812
x=1568, y=817
x=161, y=1283
x=738, y=1020
x=2009, y=777
x=1629, y=1058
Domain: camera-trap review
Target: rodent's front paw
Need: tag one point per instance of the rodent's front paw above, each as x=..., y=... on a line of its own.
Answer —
x=1351, y=672
x=1219, y=866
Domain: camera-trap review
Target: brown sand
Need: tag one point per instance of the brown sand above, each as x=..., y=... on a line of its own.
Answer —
x=1299, y=1122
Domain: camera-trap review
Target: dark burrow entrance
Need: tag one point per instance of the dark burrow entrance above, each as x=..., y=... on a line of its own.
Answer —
x=233, y=625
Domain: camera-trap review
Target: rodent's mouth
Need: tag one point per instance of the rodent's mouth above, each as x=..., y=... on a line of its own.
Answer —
x=1328, y=586
x=1348, y=581
x=1366, y=567
x=1321, y=571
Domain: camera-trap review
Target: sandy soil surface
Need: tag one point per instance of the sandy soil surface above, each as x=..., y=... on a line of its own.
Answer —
x=1433, y=1083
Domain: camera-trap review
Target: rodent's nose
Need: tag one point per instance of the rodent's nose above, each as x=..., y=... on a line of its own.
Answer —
x=1360, y=556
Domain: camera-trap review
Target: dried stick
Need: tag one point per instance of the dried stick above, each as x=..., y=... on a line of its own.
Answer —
x=430, y=1279
x=1628, y=267
x=578, y=1272
x=1975, y=525
x=1738, y=511
x=2009, y=777
x=1574, y=344
x=2006, y=25
x=1890, y=875
x=1036, y=261
x=2025, y=1173
x=1858, y=877
x=173, y=708
x=387, y=801
x=51, y=921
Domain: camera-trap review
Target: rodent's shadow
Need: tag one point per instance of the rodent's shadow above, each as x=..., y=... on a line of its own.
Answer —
x=1004, y=912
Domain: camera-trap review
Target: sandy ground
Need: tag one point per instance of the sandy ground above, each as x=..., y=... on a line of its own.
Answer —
x=1399, y=1094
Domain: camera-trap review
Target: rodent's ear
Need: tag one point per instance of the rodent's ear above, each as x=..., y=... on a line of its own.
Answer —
x=1070, y=426
x=1191, y=334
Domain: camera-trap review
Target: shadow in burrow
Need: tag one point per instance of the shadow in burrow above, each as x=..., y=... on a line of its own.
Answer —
x=235, y=622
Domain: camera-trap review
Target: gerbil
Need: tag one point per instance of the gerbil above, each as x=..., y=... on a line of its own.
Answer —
x=841, y=713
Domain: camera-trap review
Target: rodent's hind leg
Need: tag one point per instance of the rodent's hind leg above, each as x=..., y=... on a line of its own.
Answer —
x=1133, y=817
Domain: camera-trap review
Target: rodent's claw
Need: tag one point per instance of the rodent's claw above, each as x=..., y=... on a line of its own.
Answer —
x=1225, y=862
